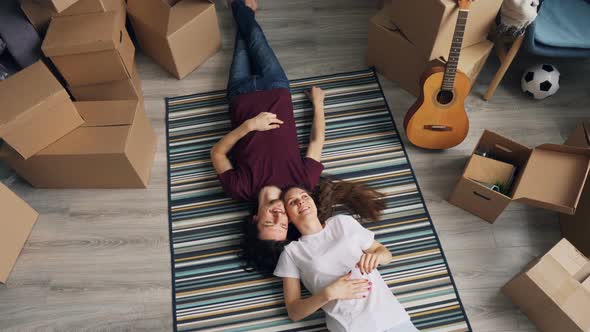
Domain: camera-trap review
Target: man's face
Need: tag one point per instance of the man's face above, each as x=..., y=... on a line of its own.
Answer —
x=271, y=220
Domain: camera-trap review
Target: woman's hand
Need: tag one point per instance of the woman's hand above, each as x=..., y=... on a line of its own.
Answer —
x=316, y=95
x=368, y=263
x=346, y=289
x=264, y=121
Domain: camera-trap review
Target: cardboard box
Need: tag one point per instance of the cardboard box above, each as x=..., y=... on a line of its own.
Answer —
x=179, y=35
x=90, y=49
x=129, y=89
x=430, y=24
x=16, y=223
x=114, y=149
x=554, y=290
x=550, y=176
x=398, y=59
x=576, y=228
x=36, y=110
x=40, y=13
x=60, y=5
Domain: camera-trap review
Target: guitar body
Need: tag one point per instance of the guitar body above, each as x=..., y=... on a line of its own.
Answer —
x=438, y=120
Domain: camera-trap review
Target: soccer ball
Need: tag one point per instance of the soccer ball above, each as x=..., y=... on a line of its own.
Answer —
x=540, y=81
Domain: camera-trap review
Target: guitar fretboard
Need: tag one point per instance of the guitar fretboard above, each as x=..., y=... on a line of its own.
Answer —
x=455, y=52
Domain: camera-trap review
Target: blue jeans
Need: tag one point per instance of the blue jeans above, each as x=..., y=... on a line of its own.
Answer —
x=255, y=67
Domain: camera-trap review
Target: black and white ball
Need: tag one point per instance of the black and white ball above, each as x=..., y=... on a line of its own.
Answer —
x=540, y=81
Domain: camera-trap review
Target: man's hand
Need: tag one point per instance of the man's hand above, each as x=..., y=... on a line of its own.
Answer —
x=264, y=121
x=316, y=95
x=345, y=288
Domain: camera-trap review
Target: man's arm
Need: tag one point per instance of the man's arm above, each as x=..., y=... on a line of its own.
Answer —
x=318, y=129
x=262, y=122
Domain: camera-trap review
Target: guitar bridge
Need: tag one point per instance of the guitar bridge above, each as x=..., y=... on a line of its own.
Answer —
x=438, y=128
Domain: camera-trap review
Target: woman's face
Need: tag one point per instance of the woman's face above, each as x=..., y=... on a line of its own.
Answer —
x=299, y=206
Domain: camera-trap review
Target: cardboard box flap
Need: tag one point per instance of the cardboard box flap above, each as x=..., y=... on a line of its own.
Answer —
x=61, y=5
x=553, y=279
x=16, y=223
x=572, y=260
x=24, y=91
x=93, y=140
x=107, y=113
x=186, y=11
x=83, y=34
x=580, y=137
x=553, y=177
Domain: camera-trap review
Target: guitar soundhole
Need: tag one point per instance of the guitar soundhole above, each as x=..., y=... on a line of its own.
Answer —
x=444, y=97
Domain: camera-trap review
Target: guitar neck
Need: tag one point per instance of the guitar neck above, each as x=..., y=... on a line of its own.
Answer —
x=455, y=52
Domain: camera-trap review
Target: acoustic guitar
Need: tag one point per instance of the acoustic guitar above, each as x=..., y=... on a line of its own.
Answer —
x=437, y=120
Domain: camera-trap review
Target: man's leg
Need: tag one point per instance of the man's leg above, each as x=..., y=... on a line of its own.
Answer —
x=240, y=72
x=264, y=61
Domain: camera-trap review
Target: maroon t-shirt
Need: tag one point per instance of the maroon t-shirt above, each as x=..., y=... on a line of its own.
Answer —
x=269, y=157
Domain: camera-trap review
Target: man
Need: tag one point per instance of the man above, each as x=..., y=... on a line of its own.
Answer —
x=261, y=155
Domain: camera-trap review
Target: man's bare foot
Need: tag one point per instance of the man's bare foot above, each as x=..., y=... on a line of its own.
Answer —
x=252, y=4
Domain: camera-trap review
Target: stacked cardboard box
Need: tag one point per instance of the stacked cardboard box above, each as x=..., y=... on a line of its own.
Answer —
x=55, y=143
x=554, y=290
x=16, y=223
x=178, y=34
x=407, y=37
x=576, y=228
x=550, y=176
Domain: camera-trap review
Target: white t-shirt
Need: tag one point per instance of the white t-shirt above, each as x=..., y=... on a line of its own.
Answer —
x=321, y=258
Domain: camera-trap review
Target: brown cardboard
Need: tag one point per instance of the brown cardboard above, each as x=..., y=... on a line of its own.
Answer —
x=16, y=223
x=90, y=49
x=430, y=24
x=179, y=35
x=488, y=170
x=106, y=153
x=128, y=89
x=36, y=110
x=549, y=176
x=60, y=5
x=398, y=59
x=576, y=228
x=552, y=291
x=40, y=13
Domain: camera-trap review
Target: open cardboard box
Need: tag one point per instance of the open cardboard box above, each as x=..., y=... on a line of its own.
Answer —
x=554, y=290
x=40, y=13
x=179, y=35
x=398, y=59
x=36, y=110
x=550, y=176
x=576, y=228
x=114, y=149
x=90, y=49
x=127, y=89
x=16, y=221
x=430, y=24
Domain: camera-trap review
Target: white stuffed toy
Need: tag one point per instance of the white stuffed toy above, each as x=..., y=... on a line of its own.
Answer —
x=516, y=15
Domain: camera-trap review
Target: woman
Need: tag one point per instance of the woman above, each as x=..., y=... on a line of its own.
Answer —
x=262, y=254
x=261, y=154
x=337, y=263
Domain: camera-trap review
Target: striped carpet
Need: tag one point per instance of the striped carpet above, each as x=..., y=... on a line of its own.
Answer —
x=210, y=290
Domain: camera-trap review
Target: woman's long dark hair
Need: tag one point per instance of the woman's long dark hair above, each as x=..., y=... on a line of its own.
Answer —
x=330, y=196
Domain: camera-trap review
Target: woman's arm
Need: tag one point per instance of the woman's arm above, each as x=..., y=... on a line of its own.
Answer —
x=377, y=254
x=318, y=129
x=343, y=288
x=262, y=122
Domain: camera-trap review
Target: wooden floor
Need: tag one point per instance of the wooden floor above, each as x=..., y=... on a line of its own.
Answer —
x=99, y=260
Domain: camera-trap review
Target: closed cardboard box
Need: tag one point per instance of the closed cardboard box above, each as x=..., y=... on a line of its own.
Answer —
x=430, y=24
x=179, y=35
x=40, y=13
x=114, y=149
x=576, y=228
x=399, y=60
x=128, y=89
x=90, y=49
x=16, y=222
x=36, y=110
x=554, y=290
x=550, y=176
